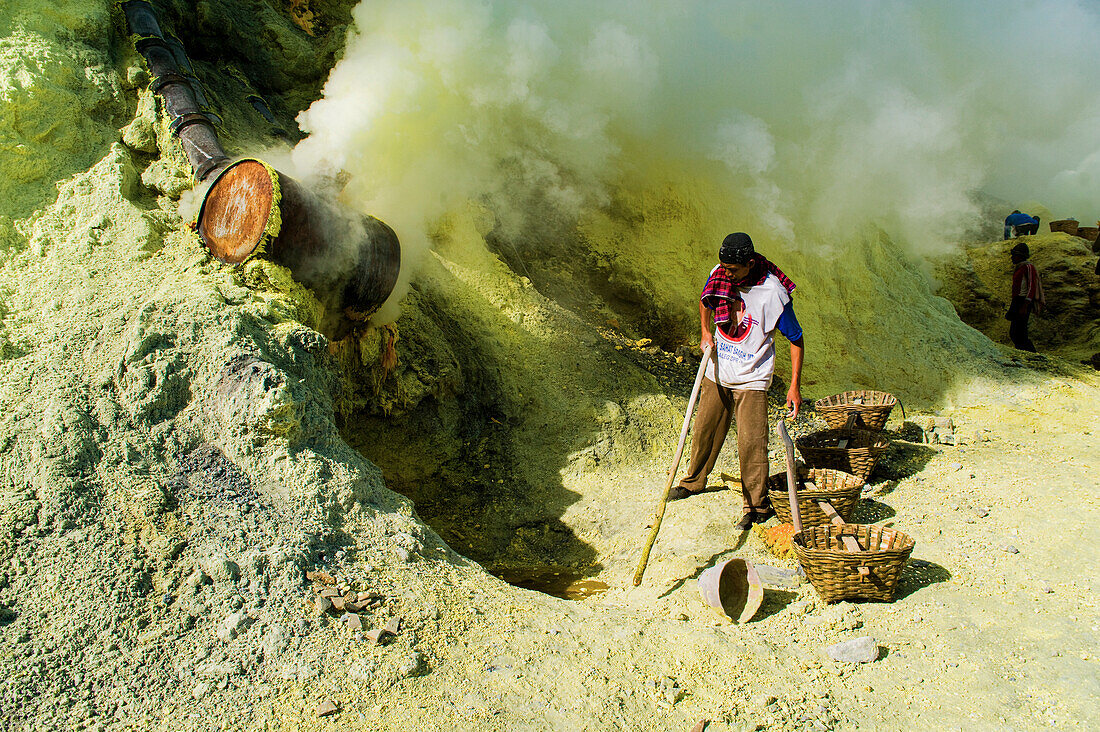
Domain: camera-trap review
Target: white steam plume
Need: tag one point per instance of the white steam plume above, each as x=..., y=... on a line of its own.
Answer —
x=824, y=116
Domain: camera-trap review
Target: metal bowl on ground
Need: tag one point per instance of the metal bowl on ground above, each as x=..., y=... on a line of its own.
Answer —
x=733, y=589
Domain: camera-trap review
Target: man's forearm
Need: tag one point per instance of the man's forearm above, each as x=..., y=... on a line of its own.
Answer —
x=706, y=321
x=798, y=350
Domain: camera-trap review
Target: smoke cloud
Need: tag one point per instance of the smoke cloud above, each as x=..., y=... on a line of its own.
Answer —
x=818, y=118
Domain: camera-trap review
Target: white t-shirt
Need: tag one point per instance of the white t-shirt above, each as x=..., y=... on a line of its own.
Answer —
x=747, y=360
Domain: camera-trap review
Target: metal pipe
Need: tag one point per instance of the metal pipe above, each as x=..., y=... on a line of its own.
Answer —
x=141, y=18
x=350, y=261
x=188, y=71
x=190, y=124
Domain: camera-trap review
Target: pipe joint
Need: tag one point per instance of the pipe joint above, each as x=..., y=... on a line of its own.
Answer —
x=185, y=120
x=141, y=17
x=205, y=169
x=167, y=78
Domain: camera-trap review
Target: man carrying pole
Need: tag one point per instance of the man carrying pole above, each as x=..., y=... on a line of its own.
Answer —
x=746, y=299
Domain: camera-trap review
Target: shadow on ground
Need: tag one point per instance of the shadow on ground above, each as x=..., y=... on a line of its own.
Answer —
x=918, y=574
x=869, y=511
x=901, y=460
x=774, y=601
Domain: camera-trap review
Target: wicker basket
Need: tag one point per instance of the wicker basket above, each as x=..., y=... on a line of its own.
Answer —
x=842, y=490
x=1088, y=233
x=823, y=450
x=836, y=572
x=1068, y=226
x=871, y=407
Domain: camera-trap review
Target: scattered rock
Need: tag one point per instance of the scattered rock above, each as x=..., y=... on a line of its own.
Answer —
x=685, y=352
x=981, y=512
x=764, y=700
x=376, y=636
x=233, y=625
x=393, y=627
x=352, y=621
x=777, y=577
x=220, y=569
x=219, y=671
x=840, y=618
x=322, y=605
x=411, y=665
x=274, y=640
x=858, y=650
x=955, y=466
x=800, y=607
x=327, y=709
x=363, y=669
x=1045, y=588
x=319, y=576
x=666, y=691
x=1010, y=549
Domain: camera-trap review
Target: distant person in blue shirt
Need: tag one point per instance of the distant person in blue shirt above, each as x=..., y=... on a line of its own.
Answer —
x=1023, y=224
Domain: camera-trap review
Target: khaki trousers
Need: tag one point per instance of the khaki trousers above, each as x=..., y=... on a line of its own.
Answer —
x=717, y=406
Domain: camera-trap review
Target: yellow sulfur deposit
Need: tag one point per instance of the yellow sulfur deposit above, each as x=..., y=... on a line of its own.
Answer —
x=185, y=445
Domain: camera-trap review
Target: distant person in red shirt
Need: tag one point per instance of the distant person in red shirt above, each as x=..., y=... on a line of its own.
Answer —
x=1027, y=297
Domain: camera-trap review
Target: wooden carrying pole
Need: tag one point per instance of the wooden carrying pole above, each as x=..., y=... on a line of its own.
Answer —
x=792, y=476
x=660, y=514
x=850, y=542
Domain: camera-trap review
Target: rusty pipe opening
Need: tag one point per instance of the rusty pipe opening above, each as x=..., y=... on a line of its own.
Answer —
x=349, y=260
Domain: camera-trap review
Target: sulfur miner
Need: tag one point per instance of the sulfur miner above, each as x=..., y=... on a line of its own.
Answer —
x=745, y=300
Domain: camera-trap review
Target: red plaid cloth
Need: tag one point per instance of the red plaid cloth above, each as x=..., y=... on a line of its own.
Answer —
x=720, y=293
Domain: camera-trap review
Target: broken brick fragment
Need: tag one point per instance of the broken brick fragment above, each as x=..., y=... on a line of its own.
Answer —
x=352, y=621
x=327, y=708
x=393, y=627
x=319, y=576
